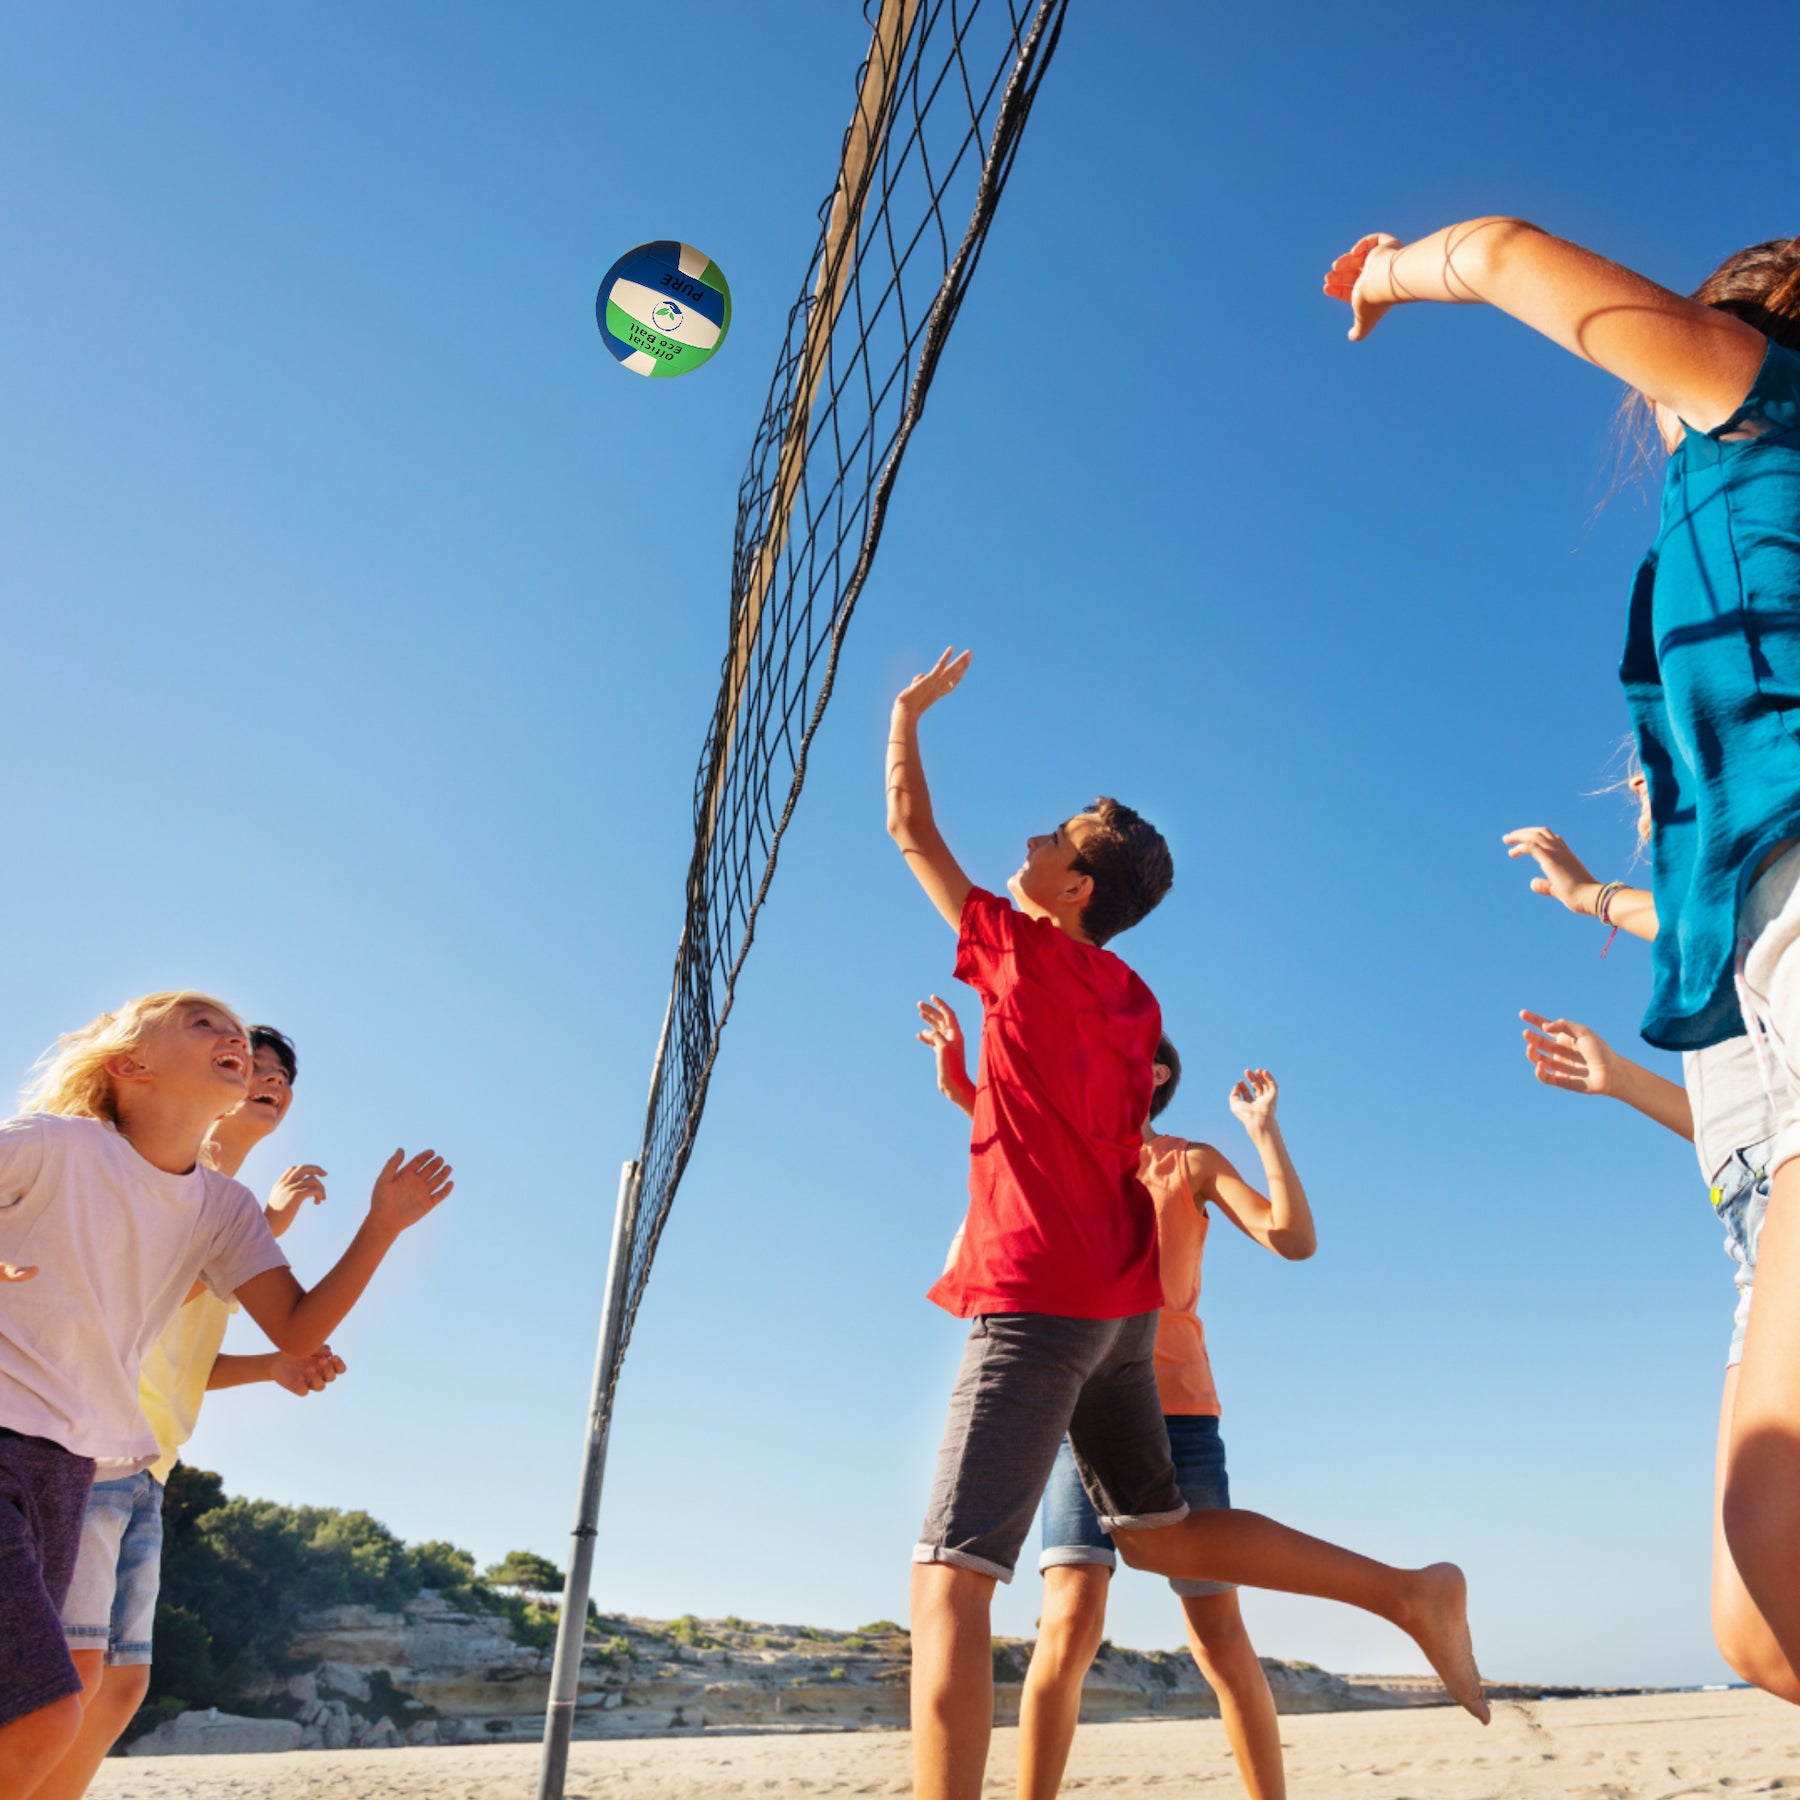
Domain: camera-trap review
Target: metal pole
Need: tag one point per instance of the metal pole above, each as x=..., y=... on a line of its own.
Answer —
x=571, y=1628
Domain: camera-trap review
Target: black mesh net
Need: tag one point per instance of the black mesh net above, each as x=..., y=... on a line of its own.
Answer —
x=941, y=103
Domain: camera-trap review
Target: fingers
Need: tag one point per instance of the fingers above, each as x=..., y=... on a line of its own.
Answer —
x=302, y=1170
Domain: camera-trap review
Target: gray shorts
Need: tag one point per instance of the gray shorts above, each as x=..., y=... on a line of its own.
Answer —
x=1026, y=1380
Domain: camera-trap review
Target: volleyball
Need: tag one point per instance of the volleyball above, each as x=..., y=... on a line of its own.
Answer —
x=663, y=308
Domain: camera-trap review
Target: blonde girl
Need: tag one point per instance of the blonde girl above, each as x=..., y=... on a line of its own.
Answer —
x=104, y=1191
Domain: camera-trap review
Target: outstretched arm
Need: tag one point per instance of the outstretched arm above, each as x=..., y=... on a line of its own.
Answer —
x=1567, y=1055
x=1565, y=877
x=943, y=1036
x=299, y=1320
x=1282, y=1221
x=1694, y=360
x=909, y=818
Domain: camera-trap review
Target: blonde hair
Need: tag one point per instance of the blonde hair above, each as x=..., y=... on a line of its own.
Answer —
x=72, y=1077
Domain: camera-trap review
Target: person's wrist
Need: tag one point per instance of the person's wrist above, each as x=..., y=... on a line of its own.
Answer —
x=1584, y=896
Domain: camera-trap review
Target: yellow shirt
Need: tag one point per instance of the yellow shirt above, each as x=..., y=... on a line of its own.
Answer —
x=172, y=1380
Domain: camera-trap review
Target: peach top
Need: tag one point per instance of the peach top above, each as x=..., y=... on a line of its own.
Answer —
x=1183, y=1371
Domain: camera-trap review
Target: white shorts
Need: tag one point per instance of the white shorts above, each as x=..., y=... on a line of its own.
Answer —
x=1769, y=992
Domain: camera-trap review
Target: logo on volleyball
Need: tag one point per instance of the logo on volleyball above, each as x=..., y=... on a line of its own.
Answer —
x=663, y=308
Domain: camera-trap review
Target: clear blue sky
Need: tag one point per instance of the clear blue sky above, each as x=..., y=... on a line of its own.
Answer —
x=364, y=618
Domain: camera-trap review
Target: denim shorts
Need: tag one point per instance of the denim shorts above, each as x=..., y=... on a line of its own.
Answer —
x=1071, y=1528
x=112, y=1600
x=1741, y=1199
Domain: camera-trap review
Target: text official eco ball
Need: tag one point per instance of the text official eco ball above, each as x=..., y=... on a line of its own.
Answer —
x=663, y=308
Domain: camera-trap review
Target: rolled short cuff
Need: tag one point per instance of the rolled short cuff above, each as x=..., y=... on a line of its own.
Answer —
x=961, y=1559
x=1159, y=1521
x=1078, y=1556
x=87, y=1637
x=1200, y=1590
x=128, y=1656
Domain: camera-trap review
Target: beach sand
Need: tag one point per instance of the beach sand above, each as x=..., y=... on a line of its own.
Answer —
x=1661, y=1745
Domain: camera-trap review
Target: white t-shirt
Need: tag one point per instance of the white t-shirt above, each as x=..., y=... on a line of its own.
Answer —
x=118, y=1244
x=1730, y=1104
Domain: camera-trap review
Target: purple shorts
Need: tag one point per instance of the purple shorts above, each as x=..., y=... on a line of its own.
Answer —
x=43, y=1499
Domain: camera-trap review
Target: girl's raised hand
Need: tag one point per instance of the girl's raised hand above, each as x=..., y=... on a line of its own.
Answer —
x=1567, y=1055
x=1253, y=1099
x=1362, y=278
x=1565, y=876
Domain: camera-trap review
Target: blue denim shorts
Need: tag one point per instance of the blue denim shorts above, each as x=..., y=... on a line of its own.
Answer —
x=1741, y=1199
x=1071, y=1528
x=112, y=1599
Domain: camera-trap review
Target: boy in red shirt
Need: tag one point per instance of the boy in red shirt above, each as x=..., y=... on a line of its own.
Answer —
x=1058, y=1270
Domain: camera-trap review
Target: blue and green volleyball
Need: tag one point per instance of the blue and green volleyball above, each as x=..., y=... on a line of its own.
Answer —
x=663, y=308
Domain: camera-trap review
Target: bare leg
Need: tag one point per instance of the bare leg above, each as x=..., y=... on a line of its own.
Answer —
x=30, y=1747
x=1225, y=1544
x=952, y=1680
x=109, y=1699
x=1760, y=1505
x=1742, y=1634
x=1228, y=1660
x=1068, y=1637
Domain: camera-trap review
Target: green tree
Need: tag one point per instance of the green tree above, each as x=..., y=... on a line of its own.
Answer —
x=526, y=1572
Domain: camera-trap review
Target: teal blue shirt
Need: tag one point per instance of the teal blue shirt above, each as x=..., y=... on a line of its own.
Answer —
x=1712, y=676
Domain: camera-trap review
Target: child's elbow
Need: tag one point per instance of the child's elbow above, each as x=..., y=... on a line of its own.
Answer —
x=1297, y=1247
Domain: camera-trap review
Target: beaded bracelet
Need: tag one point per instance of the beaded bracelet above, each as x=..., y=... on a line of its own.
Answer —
x=1603, y=911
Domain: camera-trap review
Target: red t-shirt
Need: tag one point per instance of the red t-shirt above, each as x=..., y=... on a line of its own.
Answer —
x=1058, y=1221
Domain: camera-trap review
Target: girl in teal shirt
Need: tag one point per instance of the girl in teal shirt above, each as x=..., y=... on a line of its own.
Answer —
x=1712, y=676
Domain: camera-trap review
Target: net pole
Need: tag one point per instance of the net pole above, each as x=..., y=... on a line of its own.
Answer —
x=571, y=1629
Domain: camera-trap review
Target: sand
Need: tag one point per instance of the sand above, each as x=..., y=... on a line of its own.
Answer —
x=1659, y=1746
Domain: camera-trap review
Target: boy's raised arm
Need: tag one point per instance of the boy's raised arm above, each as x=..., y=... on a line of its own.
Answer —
x=909, y=817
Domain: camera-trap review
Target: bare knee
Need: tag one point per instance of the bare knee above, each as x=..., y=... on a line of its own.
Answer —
x=30, y=1747
x=1216, y=1623
x=1747, y=1644
x=1073, y=1619
x=122, y=1692
x=946, y=1598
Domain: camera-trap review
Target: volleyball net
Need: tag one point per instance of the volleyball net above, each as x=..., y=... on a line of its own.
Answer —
x=941, y=103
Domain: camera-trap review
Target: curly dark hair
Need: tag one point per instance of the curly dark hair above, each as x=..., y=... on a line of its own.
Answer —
x=1130, y=865
x=266, y=1037
x=1165, y=1054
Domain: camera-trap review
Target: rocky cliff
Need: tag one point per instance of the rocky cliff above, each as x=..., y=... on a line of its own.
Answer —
x=434, y=1674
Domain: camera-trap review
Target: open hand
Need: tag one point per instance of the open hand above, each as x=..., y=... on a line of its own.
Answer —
x=1252, y=1100
x=1567, y=1055
x=1363, y=277
x=943, y=1036
x=305, y=1375
x=296, y=1186
x=925, y=691
x=406, y=1191
x=1565, y=876
x=14, y=1272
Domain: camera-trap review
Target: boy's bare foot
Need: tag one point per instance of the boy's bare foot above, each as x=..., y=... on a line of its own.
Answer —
x=1437, y=1619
